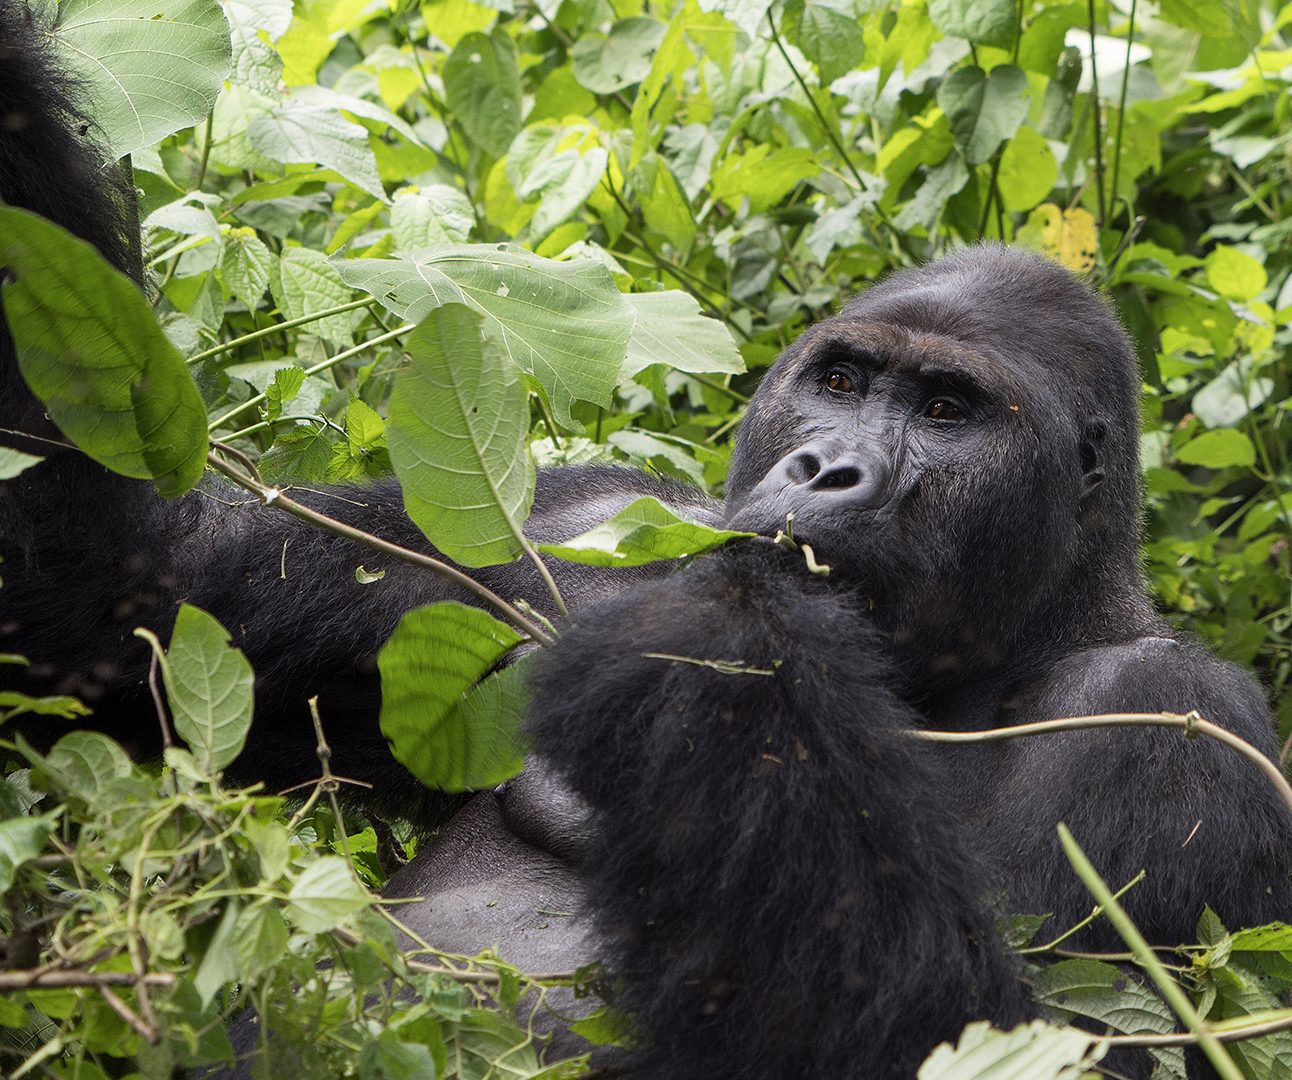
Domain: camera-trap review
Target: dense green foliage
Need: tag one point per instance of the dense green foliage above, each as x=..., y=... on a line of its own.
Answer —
x=382, y=237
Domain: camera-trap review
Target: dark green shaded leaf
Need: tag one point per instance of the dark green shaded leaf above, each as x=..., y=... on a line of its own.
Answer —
x=90, y=348
x=459, y=418
x=429, y=666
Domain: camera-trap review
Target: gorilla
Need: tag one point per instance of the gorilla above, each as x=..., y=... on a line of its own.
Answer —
x=785, y=882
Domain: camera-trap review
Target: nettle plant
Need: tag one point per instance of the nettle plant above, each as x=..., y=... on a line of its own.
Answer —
x=453, y=241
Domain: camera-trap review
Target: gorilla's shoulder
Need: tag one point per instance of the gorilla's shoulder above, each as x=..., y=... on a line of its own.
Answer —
x=1161, y=673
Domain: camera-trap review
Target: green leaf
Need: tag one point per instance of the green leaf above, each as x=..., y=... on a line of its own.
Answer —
x=459, y=420
x=430, y=216
x=1275, y=937
x=388, y=1058
x=668, y=328
x=1218, y=449
x=14, y=704
x=1235, y=274
x=298, y=133
x=642, y=532
x=15, y=462
x=482, y=90
x=984, y=22
x=1231, y=395
x=1036, y=1050
x=82, y=763
x=91, y=349
x=150, y=68
x=259, y=940
x=606, y=63
x=325, y=895
x=762, y=175
x=429, y=666
x=305, y=282
x=984, y=110
x=1103, y=993
x=246, y=266
x=21, y=840
x=565, y=323
x=286, y=385
x=209, y=686
x=302, y=454
x=829, y=35
x=218, y=964
x=1028, y=170
x=255, y=61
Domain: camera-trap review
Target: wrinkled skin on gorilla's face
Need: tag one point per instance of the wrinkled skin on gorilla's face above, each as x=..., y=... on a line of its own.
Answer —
x=955, y=469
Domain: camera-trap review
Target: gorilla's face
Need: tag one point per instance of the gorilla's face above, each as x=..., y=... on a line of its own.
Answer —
x=940, y=462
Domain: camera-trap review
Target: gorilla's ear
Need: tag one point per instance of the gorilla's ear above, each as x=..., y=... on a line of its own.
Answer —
x=1092, y=454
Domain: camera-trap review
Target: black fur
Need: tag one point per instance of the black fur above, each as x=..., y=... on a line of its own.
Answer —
x=789, y=886
x=776, y=874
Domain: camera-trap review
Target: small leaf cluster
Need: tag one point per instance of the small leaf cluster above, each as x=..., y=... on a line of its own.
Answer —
x=146, y=911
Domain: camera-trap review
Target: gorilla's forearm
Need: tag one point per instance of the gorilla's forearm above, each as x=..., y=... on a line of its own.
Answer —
x=774, y=870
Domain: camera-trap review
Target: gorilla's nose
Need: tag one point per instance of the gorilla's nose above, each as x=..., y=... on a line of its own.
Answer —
x=845, y=473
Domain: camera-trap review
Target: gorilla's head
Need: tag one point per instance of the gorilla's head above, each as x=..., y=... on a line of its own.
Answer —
x=961, y=443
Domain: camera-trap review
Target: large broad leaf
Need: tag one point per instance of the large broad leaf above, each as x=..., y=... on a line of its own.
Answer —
x=984, y=110
x=668, y=328
x=445, y=729
x=92, y=351
x=988, y=22
x=482, y=90
x=565, y=323
x=149, y=67
x=642, y=532
x=209, y=686
x=301, y=133
x=1038, y=1051
x=458, y=422
x=1104, y=994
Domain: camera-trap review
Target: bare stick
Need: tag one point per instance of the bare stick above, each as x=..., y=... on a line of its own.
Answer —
x=1191, y=723
x=273, y=497
x=62, y=980
x=146, y=1032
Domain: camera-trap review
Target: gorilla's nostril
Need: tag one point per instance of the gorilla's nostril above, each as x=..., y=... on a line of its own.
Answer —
x=840, y=476
x=803, y=467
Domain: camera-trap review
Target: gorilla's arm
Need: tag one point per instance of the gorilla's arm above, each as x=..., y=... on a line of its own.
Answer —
x=778, y=879
x=1201, y=820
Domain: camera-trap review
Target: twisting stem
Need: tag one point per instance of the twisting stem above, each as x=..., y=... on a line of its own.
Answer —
x=1052, y=945
x=1099, y=128
x=1121, y=102
x=1225, y=1035
x=1191, y=723
x=272, y=496
x=816, y=108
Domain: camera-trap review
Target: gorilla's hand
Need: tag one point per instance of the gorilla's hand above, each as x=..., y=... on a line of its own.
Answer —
x=733, y=729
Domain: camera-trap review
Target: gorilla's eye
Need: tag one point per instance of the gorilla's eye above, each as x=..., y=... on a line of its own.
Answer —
x=943, y=409
x=839, y=381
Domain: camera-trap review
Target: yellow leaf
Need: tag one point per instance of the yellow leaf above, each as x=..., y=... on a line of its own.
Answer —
x=1067, y=236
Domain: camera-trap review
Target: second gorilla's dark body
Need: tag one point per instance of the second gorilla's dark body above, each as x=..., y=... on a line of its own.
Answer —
x=788, y=885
